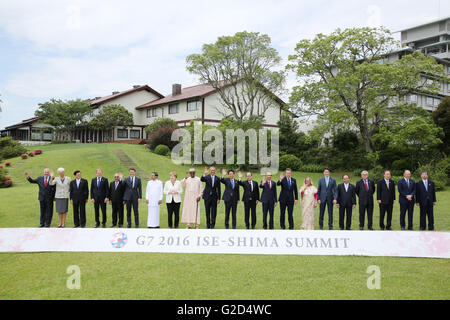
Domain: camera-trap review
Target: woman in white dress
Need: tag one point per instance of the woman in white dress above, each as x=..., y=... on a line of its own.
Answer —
x=173, y=191
x=154, y=196
x=308, y=194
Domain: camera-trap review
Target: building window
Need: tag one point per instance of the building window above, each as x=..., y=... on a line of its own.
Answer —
x=173, y=108
x=436, y=102
x=135, y=134
x=429, y=101
x=36, y=134
x=413, y=98
x=122, y=133
x=151, y=113
x=193, y=105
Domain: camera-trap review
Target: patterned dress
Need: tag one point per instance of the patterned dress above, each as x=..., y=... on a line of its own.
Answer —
x=309, y=197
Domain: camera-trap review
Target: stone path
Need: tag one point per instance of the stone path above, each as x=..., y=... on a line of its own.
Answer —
x=129, y=163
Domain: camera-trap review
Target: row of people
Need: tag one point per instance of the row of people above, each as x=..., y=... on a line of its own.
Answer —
x=327, y=195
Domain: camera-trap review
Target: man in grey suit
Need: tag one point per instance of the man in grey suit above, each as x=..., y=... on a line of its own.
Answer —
x=132, y=196
x=327, y=197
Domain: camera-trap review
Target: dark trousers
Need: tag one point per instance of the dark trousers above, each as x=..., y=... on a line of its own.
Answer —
x=100, y=204
x=329, y=204
x=426, y=210
x=406, y=207
x=117, y=212
x=79, y=213
x=290, y=209
x=250, y=208
x=362, y=215
x=173, y=210
x=345, y=213
x=268, y=207
x=46, y=213
x=385, y=209
x=230, y=206
x=135, y=205
x=211, y=212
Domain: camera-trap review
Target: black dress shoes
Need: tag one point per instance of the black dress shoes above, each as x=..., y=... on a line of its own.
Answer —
x=97, y=225
x=361, y=228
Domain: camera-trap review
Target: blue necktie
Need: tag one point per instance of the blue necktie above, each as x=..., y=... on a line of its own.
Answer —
x=98, y=183
x=232, y=184
x=426, y=185
x=289, y=183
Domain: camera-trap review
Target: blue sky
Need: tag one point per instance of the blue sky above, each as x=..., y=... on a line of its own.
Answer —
x=86, y=48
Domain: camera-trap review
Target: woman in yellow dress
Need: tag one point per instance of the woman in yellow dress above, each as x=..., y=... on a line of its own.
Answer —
x=308, y=194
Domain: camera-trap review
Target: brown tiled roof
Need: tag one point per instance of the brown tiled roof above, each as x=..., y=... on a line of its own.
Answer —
x=198, y=91
x=23, y=123
x=101, y=100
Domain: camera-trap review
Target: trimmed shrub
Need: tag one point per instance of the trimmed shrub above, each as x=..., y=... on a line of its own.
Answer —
x=163, y=136
x=30, y=154
x=10, y=148
x=37, y=151
x=24, y=156
x=5, y=181
x=7, y=164
x=290, y=161
x=162, y=150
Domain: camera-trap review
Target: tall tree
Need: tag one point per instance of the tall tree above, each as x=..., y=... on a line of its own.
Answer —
x=441, y=117
x=64, y=116
x=345, y=80
x=242, y=70
x=110, y=117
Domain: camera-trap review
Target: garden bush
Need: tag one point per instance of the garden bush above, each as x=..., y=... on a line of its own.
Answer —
x=162, y=150
x=290, y=161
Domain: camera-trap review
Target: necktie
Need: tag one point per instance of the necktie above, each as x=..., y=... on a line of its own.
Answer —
x=326, y=182
x=270, y=186
x=98, y=183
x=289, y=183
x=212, y=181
x=232, y=184
x=367, y=186
x=426, y=185
x=46, y=181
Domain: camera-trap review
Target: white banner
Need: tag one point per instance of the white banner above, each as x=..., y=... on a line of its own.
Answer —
x=292, y=242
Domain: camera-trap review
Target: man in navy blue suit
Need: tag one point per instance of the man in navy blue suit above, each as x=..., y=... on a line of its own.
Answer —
x=268, y=199
x=426, y=200
x=288, y=197
x=99, y=197
x=132, y=197
x=211, y=196
x=406, y=192
x=346, y=201
x=385, y=199
x=327, y=196
x=46, y=196
x=230, y=197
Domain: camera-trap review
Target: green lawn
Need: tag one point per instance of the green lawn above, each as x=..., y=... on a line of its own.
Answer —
x=195, y=276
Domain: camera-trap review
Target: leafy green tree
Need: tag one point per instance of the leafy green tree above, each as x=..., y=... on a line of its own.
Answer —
x=345, y=81
x=241, y=69
x=64, y=116
x=159, y=123
x=441, y=117
x=112, y=116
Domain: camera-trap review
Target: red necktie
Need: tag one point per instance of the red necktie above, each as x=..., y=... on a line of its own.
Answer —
x=367, y=187
x=46, y=182
x=270, y=186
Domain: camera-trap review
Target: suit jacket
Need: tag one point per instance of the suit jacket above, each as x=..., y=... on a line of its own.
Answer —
x=99, y=193
x=210, y=192
x=288, y=194
x=387, y=196
x=168, y=186
x=327, y=194
x=230, y=194
x=268, y=195
x=404, y=190
x=116, y=194
x=346, y=198
x=423, y=197
x=45, y=193
x=249, y=195
x=130, y=192
x=365, y=197
x=81, y=193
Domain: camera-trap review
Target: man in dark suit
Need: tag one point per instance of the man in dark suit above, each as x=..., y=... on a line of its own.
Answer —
x=406, y=193
x=99, y=197
x=211, y=196
x=250, y=198
x=132, y=196
x=346, y=201
x=230, y=197
x=116, y=191
x=79, y=196
x=327, y=197
x=288, y=197
x=365, y=188
x=46, y=197
x=268, y=199
x=426, y=200
x=386, y=198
